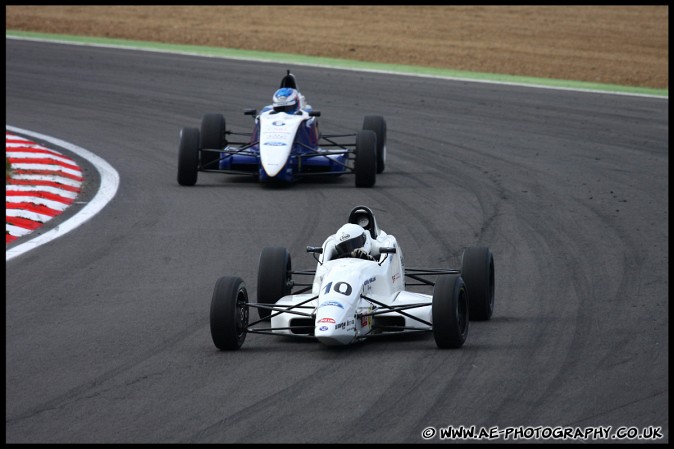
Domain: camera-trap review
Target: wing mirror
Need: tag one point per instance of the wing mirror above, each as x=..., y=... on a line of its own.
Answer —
x=252, y=112
x=386, y=250
x=314, y=250
x=315, y=114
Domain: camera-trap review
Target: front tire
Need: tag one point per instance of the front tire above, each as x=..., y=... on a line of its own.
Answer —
x=188, y=156
x=477, y=270
x=366, y=158
x=273, y=278
x=229, y=313
x=377, y=124
x=450, y=312
x=212, y=137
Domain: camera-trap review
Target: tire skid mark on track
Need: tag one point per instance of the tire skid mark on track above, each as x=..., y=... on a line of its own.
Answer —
x=259, y=410
x=573, y=321
x=491, y=196
x=487, y=191
x=95, y=384
x=445, y=245
x=551, y=312
x=36, y=172
x=309, y=224
x=592, y=282
x=409, y=398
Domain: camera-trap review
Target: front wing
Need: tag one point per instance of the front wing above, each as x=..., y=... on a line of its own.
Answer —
x=243, y=158
x=407, y=312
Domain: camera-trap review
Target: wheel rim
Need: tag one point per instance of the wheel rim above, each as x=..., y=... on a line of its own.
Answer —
x=462, y=312
x=242, y=314
x=491, y=286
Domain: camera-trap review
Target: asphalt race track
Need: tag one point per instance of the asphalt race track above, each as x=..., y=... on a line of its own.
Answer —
x=107, y=327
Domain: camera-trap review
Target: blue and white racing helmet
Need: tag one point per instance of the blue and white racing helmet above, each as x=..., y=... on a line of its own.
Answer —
x=286, y=100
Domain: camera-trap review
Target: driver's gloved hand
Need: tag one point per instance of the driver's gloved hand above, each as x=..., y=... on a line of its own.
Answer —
x=361, y=254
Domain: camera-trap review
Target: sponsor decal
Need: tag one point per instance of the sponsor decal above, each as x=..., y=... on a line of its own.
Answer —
x=343, y=324
x=277, y=136
x=366, y=321
x=323, y=328
x=367, y=285
x=331, y=303
x=278, y=123
x=326, y=320
x=275, y=144
x=396, y=277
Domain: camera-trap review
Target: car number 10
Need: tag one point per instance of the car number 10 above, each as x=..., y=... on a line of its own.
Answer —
x=340, y=287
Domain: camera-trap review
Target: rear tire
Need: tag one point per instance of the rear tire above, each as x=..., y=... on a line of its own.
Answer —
x=229, y=313
x=366, y=158
x=377, y=124
x=188, y=156
x=212, y=137
x=477, y=270
x=450, y=312
x=273, y=278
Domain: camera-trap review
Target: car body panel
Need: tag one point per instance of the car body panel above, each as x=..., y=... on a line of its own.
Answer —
x=347, y=297
x=284, y=148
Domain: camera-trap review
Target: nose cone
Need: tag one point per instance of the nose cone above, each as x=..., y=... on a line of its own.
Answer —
x=277, y=134
x=333, y=328
x=273, y=161
x=272, y=170
x=334, y=337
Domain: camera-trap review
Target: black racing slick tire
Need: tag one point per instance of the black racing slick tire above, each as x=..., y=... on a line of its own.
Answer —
x=212, y=137
x=229, y=313
x=273, y=278
x=377, y=124
x=450, y=312
x=366, y=158
x=188, y=156
x=477, y=270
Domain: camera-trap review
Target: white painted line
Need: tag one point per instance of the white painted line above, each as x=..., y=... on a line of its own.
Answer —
x=105, y=194
x=56, y=205
x=42, y=218
x=48, y=189
x=27, y=144
x=52, y=178
x=33, y=155
x=46, y=167
x=17, y=231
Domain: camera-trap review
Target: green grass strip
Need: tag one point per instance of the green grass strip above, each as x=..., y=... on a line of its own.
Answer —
x=340, y=63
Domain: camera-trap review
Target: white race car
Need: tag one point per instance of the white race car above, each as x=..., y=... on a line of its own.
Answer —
x=352, y=299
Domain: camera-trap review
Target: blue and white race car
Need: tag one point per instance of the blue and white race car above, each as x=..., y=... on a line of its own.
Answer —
x=285, y=145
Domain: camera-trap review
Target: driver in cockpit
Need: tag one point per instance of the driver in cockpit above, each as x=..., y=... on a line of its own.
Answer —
x=353, y=241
